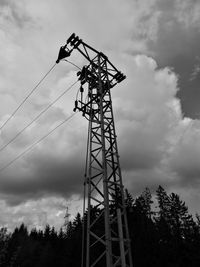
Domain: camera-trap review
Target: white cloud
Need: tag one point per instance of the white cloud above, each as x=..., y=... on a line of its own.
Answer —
x=153, y=144
x=38, y=213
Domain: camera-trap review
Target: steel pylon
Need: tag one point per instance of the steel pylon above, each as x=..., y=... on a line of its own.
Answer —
x=107, y=240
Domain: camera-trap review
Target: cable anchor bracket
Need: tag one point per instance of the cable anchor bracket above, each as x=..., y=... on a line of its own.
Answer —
x=63, y=53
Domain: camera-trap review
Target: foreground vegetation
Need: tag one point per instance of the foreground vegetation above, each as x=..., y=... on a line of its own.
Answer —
x=167, y=237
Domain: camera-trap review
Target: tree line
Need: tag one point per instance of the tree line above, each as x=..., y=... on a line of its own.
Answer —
x=166, y=235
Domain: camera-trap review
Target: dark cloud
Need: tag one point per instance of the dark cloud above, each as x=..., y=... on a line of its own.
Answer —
x=184, y=158
x=177, y=45
x=137, y=152
x=48, y=175
x=62, y=175
x=55, y=168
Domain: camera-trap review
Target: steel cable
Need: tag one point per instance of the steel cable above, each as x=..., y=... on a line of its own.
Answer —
x=72, y=64
x=29, y=94
x=37, y=117
x=36, y=143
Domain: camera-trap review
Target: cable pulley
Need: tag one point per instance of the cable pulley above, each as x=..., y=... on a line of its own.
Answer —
x=63, y=53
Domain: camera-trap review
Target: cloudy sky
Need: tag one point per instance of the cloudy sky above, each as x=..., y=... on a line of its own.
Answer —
x=157, y=112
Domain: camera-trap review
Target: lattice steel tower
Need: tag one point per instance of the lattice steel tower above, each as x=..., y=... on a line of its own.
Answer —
x=107, y=239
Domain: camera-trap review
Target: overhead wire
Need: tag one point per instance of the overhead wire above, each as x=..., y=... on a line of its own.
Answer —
x=25, y=99
x=72, y=64
x=36, y=143
x=38, y=116
x=32, y=91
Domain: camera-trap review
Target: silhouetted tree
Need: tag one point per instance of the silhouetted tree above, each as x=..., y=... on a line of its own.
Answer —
x=168, y=239
x=144, y=202
x=163, y=204
x=129, y=201
x=4, y=239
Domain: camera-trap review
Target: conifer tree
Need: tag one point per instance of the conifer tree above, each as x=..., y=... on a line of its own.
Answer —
x=163, y=204
x=69, y=230
x=4, y=239
x=129, y=201
x=144, y=201
x=181, y=221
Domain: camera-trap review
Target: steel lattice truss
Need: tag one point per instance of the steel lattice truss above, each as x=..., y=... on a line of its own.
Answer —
x=107, y=239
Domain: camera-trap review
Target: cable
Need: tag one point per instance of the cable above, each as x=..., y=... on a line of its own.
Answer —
x=72, y=64
x=38, y=116
x=36, y=143
x=30, y=93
